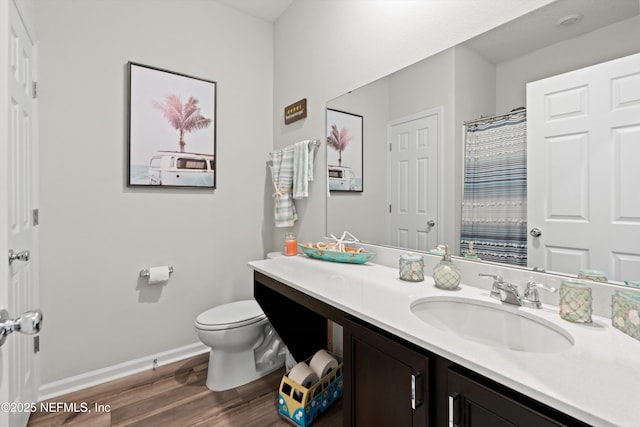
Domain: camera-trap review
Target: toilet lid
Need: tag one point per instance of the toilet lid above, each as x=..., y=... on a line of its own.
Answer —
x=231, y=315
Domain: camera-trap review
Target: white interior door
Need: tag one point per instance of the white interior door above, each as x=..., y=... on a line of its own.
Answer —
x=19, y=374
x=413, y=187
x=583, y=136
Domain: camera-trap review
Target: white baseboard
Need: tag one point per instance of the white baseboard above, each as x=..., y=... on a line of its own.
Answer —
x=99, y=376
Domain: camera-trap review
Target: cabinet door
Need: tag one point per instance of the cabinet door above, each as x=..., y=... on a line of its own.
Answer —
x=386, y=381
x=472, y=404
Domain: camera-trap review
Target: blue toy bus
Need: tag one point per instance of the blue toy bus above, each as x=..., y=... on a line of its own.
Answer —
x=303, y=405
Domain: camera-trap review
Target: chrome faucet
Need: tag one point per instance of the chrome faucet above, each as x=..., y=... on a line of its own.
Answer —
x=509, y=294
x=505, y=292
x=497, y=283
x=531, y=295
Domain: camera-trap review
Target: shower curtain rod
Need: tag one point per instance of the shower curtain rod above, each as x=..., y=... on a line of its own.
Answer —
x=520, y=110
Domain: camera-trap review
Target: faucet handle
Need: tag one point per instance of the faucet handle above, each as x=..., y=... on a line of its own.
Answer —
x=533, y=287
x=531, y=295
x=497, y=282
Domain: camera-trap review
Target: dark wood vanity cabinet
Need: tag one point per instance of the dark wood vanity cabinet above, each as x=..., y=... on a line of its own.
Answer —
x=386, y=382
x=475, y=402
x=392, y=382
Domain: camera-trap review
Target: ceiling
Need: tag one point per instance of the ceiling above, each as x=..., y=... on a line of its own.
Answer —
x=540, y=28
x=269, y=10
x=525, y=34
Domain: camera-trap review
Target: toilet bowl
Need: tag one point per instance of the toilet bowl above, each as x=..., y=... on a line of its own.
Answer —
x=244, y=346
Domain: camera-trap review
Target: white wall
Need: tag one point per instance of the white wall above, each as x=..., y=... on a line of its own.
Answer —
x=364, y=213
x=425, y=85
x=324, y=48
x=501, y=89
x=96, y=234
x=607, y=43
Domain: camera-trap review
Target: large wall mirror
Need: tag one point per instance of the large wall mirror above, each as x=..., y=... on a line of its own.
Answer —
x=432, y=100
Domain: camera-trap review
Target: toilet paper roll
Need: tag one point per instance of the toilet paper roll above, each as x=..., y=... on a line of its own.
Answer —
x=303, y=375
x=322, y=363
x=158, y=274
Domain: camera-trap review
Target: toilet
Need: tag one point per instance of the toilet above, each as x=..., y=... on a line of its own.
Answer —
x=244, y=345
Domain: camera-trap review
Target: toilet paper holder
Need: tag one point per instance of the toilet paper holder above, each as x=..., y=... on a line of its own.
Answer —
x=145, y=272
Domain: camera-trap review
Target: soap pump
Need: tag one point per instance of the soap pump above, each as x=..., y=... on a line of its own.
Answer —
x=446, y=274
x=471, y=254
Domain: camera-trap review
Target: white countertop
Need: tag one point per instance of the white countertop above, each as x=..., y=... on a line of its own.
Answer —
x=596, y=381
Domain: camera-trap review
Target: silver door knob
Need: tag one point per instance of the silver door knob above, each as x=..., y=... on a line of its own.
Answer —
x=29, y=323
x=431, y=223
x=535, y=232
x=18, y=256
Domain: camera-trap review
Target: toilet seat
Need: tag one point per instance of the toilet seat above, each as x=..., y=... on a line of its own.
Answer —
x=229, y=316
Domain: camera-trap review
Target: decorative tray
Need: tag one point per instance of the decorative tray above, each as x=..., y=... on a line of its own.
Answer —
x=349, y=255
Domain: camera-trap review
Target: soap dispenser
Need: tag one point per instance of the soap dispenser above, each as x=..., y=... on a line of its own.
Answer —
x=471, y=254
x=446, y=274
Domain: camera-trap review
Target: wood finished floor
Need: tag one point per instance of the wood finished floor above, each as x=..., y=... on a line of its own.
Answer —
x=176, y=395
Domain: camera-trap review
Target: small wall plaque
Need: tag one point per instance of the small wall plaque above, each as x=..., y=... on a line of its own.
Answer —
x=295, y=111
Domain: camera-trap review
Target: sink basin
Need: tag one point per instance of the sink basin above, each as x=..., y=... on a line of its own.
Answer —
x=497, y=325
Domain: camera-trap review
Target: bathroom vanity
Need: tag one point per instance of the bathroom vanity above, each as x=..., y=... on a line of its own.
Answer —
x=401, y=369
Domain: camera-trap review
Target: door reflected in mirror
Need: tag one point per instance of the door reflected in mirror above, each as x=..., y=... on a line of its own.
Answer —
x=482, y=77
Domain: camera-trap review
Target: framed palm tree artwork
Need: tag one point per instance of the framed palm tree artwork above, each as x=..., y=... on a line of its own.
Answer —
x=344, y=151
x=172, y=129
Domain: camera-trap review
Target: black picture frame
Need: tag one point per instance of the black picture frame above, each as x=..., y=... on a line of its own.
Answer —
x=171, y=129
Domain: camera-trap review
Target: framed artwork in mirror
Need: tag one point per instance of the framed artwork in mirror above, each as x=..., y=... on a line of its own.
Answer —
x=344, y=151
x=172, y=129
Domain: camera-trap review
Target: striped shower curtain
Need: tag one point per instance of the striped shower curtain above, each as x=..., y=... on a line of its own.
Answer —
x=494, y=205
